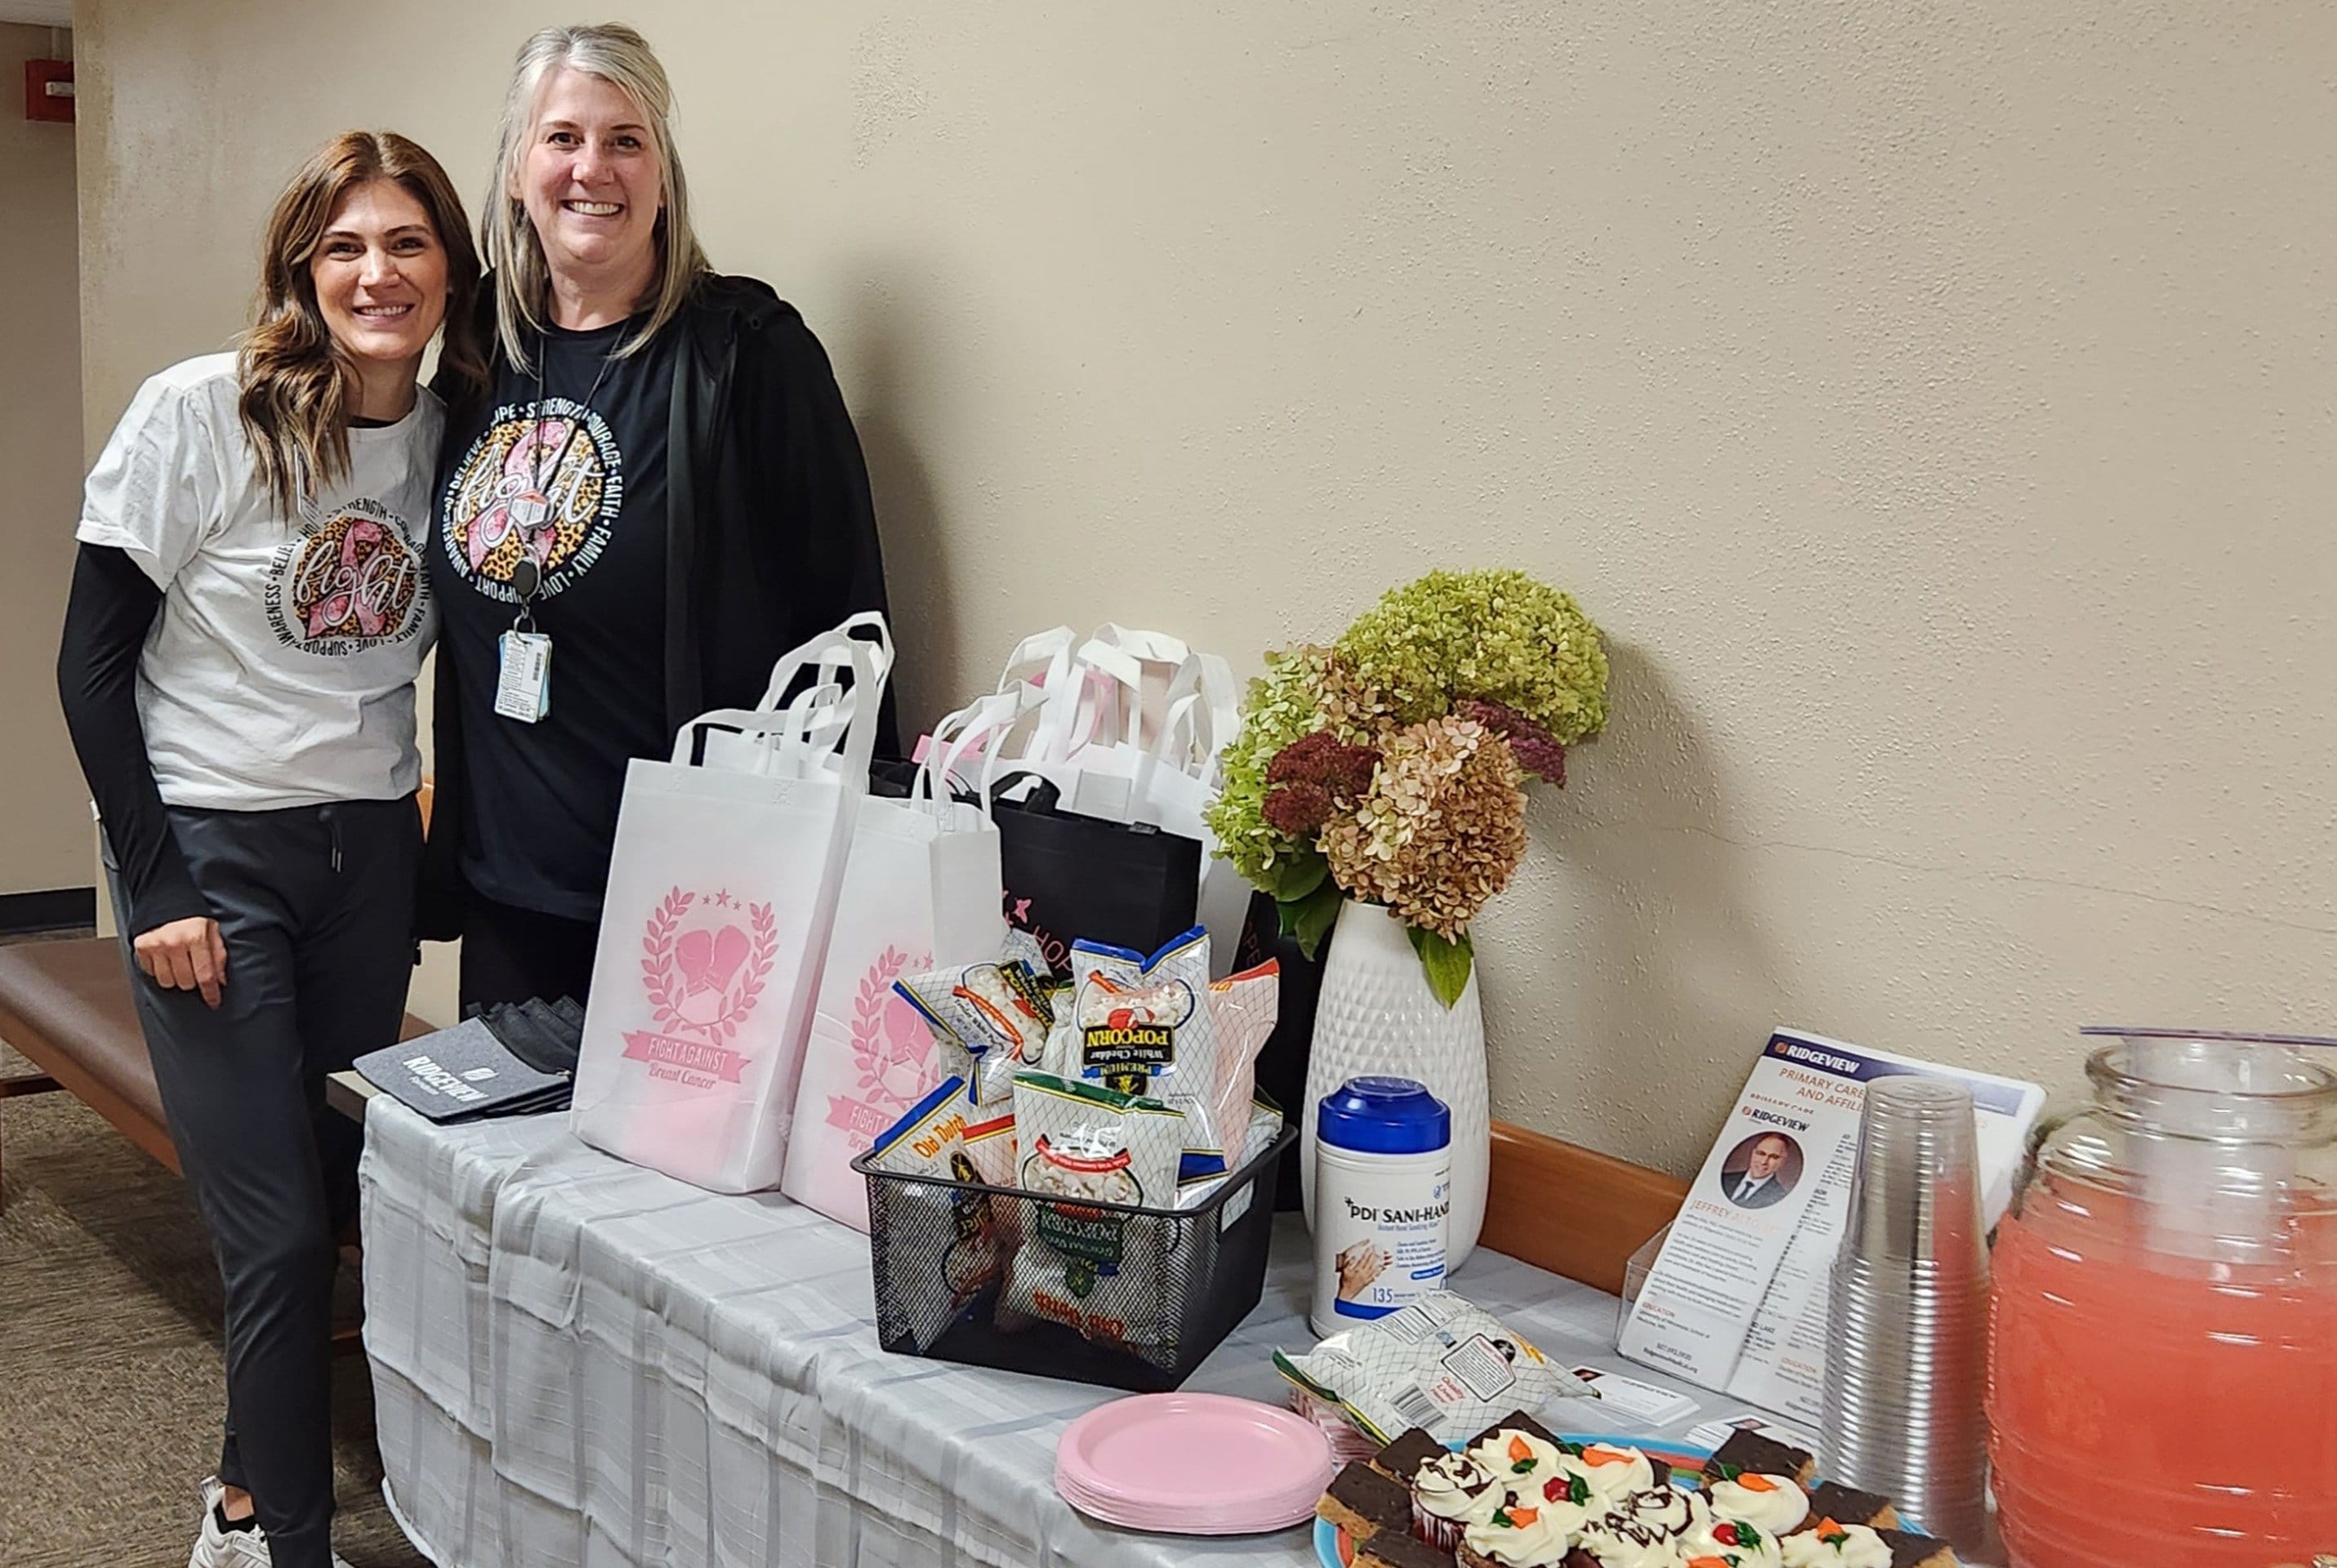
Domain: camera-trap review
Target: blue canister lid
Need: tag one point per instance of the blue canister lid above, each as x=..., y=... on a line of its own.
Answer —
x=1383, y=1116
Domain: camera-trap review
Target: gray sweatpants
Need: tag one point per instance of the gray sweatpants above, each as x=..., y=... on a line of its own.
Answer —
x=315, y=906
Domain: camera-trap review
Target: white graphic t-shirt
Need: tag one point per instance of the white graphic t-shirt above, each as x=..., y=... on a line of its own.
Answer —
x=281, y=669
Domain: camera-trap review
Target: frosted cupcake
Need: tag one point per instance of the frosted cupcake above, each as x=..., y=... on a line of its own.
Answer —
x=1831, y=1545
x=1621, y=1538
x=1521, y=1533
x=1661, y=1509
x=1715, y=1537
x=1613, y=1472
x=1451, y=1492
x=1772, y=1503
x=1521, y=1461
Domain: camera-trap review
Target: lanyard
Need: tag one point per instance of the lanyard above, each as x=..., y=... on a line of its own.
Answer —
x=527, y=577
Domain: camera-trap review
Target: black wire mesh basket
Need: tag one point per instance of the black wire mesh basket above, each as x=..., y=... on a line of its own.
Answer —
x=1121, y=1296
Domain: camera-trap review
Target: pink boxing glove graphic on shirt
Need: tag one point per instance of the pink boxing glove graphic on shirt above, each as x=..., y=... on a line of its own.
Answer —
x=519, y=505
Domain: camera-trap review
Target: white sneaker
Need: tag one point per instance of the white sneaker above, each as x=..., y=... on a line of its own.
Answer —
x=217, y=1548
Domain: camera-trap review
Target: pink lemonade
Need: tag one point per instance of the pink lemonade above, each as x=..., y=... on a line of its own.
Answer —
x=2149, y=1412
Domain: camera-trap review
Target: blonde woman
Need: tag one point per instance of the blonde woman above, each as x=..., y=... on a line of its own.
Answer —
x=661, y=494
x=249, y=608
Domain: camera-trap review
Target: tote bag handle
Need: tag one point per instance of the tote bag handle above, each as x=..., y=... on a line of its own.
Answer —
x=879, y=636
x=812, y=719
x=961, y=733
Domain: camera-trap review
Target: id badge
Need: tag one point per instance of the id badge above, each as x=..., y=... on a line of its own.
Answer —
x=524, y=675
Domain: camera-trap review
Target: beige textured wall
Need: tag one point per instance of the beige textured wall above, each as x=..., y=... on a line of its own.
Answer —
x=1933, y=403
x=43, y=809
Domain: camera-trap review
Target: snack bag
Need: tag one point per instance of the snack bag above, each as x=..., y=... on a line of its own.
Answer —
x=1265, y=1127
x=992, y=1019
x=1144, y=1027
x=1442, y=1364
x=1081, y=1263
x=941, y=1245
x=1245, y=1007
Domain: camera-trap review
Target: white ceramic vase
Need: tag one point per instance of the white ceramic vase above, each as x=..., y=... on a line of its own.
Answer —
x=1377, y=1016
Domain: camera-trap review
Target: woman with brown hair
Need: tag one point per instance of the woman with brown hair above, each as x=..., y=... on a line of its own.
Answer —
x=249, y=608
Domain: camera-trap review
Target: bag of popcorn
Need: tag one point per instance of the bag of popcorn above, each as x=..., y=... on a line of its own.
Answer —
x=942, y=1245
x=1146, y=1026
x=1084, y=1261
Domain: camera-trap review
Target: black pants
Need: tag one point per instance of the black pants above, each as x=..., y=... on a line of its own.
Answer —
x=314, y=905
x=510, y=955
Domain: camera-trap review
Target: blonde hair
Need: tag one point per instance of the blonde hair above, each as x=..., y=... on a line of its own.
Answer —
x=294, y=386
x=622, y=58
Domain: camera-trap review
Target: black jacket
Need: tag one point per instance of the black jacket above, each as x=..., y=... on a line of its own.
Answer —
x=770, y=535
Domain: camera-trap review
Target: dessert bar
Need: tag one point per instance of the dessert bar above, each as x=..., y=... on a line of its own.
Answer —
x=1401, y=1459
x=1515, y=1421
x=1361, y=1500
x=1909, y=1550
x=1763, y=1456
x=1832, y=1500
x=1389, y=1549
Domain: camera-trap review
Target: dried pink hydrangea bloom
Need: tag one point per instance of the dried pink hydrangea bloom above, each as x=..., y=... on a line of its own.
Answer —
x=1441, y=830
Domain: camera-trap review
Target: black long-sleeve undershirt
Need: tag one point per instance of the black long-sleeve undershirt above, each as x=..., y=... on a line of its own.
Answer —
x=109, y=610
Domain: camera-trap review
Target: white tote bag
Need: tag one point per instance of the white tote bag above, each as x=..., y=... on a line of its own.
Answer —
x=721, y=890
x=1133, y=733
x=1170, y=791
x=921, y=889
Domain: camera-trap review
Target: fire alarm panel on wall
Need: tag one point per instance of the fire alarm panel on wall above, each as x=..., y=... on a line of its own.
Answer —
x=49, y=90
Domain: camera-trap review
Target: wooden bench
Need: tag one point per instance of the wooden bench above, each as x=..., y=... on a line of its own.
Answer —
x=66, y=1007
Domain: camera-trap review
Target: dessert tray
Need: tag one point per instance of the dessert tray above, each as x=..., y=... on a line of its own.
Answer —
x=1517, y=1496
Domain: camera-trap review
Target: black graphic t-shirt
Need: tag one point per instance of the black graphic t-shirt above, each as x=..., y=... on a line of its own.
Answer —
x=570, y=476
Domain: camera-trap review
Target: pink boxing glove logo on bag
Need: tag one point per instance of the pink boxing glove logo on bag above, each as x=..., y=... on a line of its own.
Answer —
x=890, y=1049
x=703, y=977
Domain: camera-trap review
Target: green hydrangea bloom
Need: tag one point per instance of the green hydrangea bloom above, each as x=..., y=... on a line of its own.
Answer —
x=1282, y=705
x=1495, y=636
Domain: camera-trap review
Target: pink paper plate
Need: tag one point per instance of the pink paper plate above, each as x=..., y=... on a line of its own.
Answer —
x=1193, y=1465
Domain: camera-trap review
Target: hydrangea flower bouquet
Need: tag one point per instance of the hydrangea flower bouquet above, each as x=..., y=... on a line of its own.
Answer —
x=1390, y=766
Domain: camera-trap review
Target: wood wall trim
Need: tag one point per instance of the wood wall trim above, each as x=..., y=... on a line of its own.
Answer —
x=1571, y=1210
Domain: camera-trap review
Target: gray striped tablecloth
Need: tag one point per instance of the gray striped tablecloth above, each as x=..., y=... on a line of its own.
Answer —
x=580, y=1364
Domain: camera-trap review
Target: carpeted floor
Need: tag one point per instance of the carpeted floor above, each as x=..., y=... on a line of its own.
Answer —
x=110, y=1370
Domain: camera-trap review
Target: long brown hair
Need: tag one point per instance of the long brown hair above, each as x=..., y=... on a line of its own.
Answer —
x=296, y=389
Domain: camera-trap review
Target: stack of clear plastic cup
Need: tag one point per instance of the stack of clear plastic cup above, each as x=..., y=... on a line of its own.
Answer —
x=1907, y=1363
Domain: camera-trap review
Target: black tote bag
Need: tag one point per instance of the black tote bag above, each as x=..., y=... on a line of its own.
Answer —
x=1072, y=878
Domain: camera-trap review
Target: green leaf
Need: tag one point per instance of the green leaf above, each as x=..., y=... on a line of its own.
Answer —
x=1310, y=919
x=1292, y=877
x=1446, y=963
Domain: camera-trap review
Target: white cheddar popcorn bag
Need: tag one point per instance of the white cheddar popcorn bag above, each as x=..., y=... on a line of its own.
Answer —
x=1146, y=1026
x=1081, y=1263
